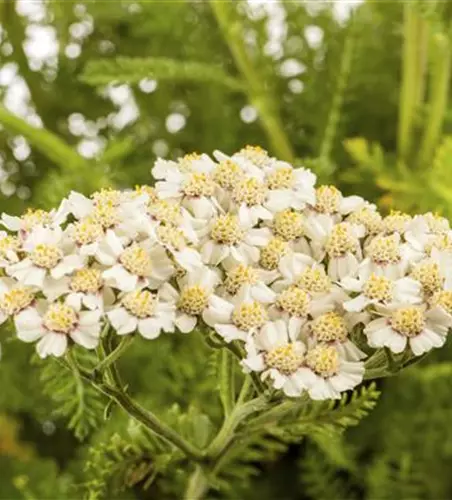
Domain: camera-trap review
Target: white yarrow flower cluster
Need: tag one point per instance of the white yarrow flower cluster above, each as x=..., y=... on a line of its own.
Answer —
x=309, y=281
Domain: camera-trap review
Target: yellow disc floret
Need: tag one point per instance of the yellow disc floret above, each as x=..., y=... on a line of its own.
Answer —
x=384, y=250
x=87, y=231
x=429, y=276
x=140, y=303
x=46, y=256
x=239, y=276
x=193, y=300
x=396, y=222
x=250, y=191
x=255, y=154
x=341, y=241
x=286, y=359
x=60, y=318
x=199, y=184
x=370, y=219
x=323, y=360
x=249, y=315
x=107, y=196
x=226, y=230
x=88, y=280
x=329, y=327
x=314, y=280
x=33, y=218
x=227, y=174
x=16, y=300
x=378, y=288
x=9, y=244
x=281, y=178
x=328, y=199
x=136, y=260
x=165, y=211
x=106, y=214
x=408, y=321
x=172, y=237
x=294, y=301
x=288, y=225
x=273, y=253
x=443, y=299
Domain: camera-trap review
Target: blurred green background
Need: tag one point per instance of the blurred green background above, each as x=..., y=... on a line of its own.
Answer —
x=94, y=91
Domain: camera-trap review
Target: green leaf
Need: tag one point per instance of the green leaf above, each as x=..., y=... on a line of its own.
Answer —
x=76, y=400
x=47, y=143
x=132, y=70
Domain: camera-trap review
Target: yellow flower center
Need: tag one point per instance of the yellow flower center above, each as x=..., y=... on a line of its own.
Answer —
x=87, y=280
x=286, y=359
x=341, y=241
x=87, y=231
x=255, y=154
x=294, y=301
x=193, y=300
x=199, y=184
x=273, y=253
x=289, y=225
x=408, y=321
x=329, y=327
x=436, y=223
x=443, y=299
x=172, y=237
x=46, y=256
x=440, y=242
x=323, y=360
x=384, y=250
x=239, y=276
x=106, y=214
x=136, y=260
x=149, y=190
x=314, y=280
x=140, y=303
x=60, y=318
x=33, y=218
x=396, y=222
x=250, y=191
x=328, y=199
x=165, y=211
x=226, y=230
x=227, y=174
x=249, y=315
x=186, y=162
x=378, y=288
x=9, y=244
x=15, y=300
x=107, y=196
x=370, y=219
x=428, y=275
x=281, y=178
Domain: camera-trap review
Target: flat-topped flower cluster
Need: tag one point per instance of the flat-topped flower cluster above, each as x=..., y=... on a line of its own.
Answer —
x=306, y=280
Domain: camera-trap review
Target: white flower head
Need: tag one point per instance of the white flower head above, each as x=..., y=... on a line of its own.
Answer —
x=191, y=297
x=142, y=311
x=53, y=324
x=48, y=258
x=407, y=324
x=276, y=353
x=14, y=298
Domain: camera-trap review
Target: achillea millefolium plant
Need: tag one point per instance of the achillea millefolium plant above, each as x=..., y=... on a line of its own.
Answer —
x=302, y=291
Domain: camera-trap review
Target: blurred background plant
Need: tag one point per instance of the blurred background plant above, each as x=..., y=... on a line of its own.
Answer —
x=93, y=92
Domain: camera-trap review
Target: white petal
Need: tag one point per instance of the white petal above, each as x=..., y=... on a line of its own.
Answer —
x=149, y=328
x=52, y=344
x=186, y=323
x=85, y=339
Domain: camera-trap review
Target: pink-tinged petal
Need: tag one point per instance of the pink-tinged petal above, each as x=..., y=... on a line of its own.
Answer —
x=52, y=344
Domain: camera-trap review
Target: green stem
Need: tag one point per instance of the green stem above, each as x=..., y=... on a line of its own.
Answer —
x=230, y=424
x=246, y=390
x=439, y=91
x=227, y=389
x=136, y=411
x=258, y=95
x=412, y=78
x=197, y=485
x=338, y=98
x=123, y=345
